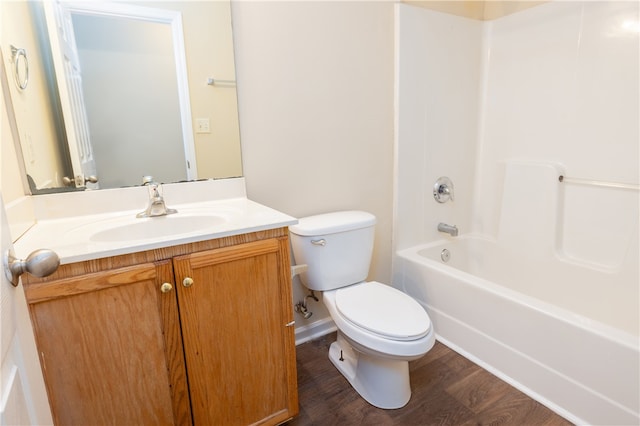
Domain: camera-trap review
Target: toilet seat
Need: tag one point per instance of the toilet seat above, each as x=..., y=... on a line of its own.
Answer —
x=383, y=311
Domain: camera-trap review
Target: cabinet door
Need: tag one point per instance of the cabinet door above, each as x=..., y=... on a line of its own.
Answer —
x=110, y=347
x=236, y=324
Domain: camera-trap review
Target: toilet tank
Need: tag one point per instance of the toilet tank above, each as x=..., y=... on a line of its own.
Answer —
x=336, y=247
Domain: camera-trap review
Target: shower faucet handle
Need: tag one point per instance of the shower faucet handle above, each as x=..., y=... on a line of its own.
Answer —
x=443, y=190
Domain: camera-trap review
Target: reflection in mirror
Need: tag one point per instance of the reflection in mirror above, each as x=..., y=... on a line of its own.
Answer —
x=140, y=119
x=130, y=73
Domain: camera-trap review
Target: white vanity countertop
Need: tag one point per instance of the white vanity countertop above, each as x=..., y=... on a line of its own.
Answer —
x=94, y=235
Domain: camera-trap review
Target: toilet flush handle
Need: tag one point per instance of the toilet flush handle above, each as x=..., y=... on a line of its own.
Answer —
x=321, y=242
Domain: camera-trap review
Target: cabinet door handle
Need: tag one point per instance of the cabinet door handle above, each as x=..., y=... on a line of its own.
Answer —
x=187, y=282
x=166, y=288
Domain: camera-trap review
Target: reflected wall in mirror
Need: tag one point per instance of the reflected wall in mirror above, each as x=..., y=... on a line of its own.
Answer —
x=140, y=53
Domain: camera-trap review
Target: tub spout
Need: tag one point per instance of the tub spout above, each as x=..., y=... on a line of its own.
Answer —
x=449, y=229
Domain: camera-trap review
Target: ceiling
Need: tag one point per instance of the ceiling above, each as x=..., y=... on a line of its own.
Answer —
x=483, y=10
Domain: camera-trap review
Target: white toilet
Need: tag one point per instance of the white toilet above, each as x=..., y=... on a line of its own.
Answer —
x=380, y=329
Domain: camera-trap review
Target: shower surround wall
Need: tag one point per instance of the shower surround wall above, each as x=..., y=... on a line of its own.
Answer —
x=439, y=57
x=504, y=108
x=561, y=86
x=554, y=84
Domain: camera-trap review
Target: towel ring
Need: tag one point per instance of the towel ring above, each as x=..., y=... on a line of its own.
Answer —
x=22, y=78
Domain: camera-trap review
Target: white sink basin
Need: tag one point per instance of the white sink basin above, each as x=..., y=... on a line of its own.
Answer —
x=155, y=227
x=125, y=229
x=88, y=234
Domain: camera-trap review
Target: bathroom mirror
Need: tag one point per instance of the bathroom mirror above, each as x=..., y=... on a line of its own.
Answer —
x=149, y=89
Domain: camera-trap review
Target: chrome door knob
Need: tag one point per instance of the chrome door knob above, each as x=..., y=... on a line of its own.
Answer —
x=40, y=263
x=78, y=180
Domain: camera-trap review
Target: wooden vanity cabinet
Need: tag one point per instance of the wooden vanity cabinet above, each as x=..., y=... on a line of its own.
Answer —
x=194, y=334
x=107, y=343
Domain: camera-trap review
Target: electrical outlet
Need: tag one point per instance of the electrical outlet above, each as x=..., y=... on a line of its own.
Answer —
x=203, y=125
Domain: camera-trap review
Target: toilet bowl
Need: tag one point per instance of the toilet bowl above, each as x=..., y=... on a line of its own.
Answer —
x=380, y=329
x=374, y=354
x=381, y=319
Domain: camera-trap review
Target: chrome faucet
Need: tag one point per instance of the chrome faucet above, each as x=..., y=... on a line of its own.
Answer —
x=156, y=206
x=449, y=229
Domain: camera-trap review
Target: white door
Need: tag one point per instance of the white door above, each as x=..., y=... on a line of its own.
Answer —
x=23, y=399
x=69, y=79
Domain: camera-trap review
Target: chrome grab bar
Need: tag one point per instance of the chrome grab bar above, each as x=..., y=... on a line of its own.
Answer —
x=601, y=183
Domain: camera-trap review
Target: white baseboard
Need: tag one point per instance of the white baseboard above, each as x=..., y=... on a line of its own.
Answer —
x=314, y=330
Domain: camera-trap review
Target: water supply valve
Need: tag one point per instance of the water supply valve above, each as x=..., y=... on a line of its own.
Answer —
x=443, y=190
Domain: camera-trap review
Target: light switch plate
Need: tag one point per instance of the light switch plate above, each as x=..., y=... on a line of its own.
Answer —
x=203, y=125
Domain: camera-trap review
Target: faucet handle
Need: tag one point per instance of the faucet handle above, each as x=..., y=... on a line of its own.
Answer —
x=154, y=191
x=443, y=190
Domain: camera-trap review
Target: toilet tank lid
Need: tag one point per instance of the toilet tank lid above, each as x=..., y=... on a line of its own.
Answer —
x=331, y=223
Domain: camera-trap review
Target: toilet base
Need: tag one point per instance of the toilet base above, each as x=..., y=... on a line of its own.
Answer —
x=382, y=382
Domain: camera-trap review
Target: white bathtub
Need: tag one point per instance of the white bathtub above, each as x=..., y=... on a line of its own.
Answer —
x=563, y=332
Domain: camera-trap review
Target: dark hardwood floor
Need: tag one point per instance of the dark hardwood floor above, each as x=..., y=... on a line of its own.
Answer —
x=447, y=389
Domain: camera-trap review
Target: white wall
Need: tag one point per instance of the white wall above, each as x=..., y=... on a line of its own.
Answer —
x=315, y=87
